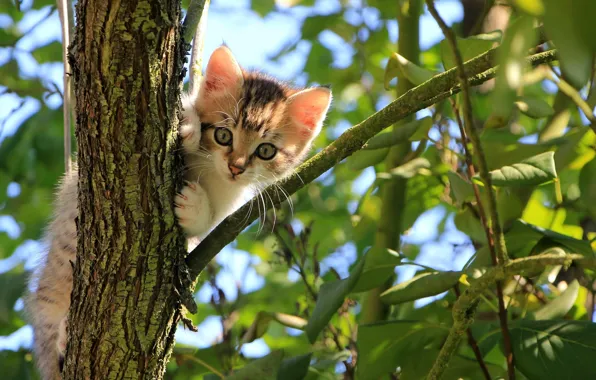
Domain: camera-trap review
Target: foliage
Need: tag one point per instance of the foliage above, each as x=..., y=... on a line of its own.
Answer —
x=316, y=262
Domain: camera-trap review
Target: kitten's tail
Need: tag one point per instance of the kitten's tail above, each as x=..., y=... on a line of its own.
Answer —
x=51, y=283
x=46, y=327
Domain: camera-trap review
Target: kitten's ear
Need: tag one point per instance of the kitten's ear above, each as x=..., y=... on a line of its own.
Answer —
x=223, y=74
x=308, y=109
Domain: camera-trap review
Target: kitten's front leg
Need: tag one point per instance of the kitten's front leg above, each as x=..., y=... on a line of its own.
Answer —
x=193, y=210
x=195, y=216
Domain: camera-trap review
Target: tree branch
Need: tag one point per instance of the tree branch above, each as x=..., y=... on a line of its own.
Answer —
x=434, y=90
x=192, y=19
x=196, y=56
x=474, y=345
x=464, y=308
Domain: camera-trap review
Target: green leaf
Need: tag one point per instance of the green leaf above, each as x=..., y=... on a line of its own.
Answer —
x=554, y=349
x=561, y=305
x=534, y=107
x=407, y=170
x=263, y=7
x=331, y=297
x=468, y=222
x=413, y=131
x=265, y=368
x=522, y=238
x=379, y=266
x=567, y=33
x=398, y=66
x=261, y=324
x=531, y=171
x=519, y=37
x=587, y=186
x=314, y=25
x=362, y=159
x=531, y=7
x=294, y=368
x=384, y=346
x=469, y=47
x=51, y=52
x=461, y=190
x=422, y=285
x=9, y=36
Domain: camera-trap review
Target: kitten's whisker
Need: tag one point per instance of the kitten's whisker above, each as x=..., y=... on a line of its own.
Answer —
x=272, y=204
x=260, y=194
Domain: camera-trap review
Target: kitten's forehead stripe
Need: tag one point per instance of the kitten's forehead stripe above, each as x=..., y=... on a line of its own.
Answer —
x=262, y=98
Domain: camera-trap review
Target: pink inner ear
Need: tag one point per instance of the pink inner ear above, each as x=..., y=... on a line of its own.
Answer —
x=223, y=72
x=309, y=107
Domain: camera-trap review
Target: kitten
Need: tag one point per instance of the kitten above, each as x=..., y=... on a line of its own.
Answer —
x=241, y=131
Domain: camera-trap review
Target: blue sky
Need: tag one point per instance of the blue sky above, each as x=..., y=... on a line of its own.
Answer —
x=252, y=39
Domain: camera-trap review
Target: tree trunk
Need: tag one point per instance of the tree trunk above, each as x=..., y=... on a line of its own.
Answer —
x=127, y=60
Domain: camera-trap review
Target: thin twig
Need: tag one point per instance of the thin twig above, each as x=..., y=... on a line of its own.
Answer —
x=574, y=95
x=474, y=345
x=66, y=20
x=492, y=227
x=204, y=364
x=438, y=88
x=196, y=56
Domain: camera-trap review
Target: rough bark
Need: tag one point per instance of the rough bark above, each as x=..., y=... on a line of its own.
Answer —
x=127, y=60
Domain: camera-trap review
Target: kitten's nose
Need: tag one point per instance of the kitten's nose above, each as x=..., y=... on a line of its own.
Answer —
x=236, y=170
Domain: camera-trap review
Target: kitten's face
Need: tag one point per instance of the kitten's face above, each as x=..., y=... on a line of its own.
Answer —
x=255, y=129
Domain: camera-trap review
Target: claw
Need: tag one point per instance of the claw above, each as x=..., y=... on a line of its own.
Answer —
x=183, y=196
x=191, y=185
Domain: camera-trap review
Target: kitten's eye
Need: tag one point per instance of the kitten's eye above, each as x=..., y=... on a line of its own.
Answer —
x=266, y=151
x=223, y=136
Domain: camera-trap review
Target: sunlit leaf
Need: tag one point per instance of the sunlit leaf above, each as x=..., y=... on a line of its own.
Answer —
x=561, y=305
x=365, y=158
x=540, y=348
x=422, y=285
x=534, y=107
x=532, y=171
x=384, y=346
x=469, y=47
x=519, y=37
x=399, y=66
x=261, y=324
x=532, y=7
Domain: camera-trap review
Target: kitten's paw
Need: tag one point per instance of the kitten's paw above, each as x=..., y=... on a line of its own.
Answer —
x=62, y=337
x=193, y=209
x=191, y=135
